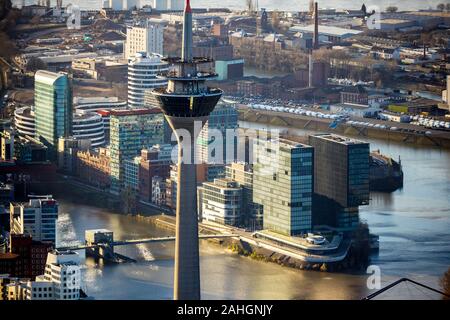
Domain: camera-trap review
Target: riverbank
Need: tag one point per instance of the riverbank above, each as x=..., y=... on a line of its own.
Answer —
x=356, y=255
x=436, y=138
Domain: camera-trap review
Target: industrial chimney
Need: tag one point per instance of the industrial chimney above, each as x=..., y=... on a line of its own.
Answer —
x=316, y=26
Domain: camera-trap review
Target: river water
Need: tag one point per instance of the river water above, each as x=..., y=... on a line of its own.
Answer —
x=413, y=224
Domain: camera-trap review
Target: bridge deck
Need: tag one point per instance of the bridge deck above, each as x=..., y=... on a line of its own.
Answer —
x=139, y=241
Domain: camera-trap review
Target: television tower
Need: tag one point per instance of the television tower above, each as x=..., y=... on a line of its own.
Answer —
x=186, y=103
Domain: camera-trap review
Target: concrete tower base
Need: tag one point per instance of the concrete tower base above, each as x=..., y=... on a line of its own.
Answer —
x=187, y=263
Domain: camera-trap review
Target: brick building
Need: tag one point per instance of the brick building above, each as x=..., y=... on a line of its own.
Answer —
x=93, y=167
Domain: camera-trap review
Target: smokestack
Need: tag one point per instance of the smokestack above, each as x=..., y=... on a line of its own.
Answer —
x=316, y=26
x=186, y=50
x=310, y=70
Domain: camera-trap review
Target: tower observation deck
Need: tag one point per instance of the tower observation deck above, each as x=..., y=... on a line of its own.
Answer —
x=186, y=103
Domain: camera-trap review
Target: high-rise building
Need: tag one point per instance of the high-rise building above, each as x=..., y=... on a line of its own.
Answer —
x=143, y=71
x=187, y=102
x=341, y=177
x=242, y=173
x=148, y=38
x=131, y=131
x=222, y=124
x=36, y=218
x=283, y=185
x=53, y=108
x=221, y=201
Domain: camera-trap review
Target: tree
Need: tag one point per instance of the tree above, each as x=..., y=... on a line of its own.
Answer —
x=445, y=283
x=441, y=7
x=447, y=7
x=391, y=9
x=34, y=64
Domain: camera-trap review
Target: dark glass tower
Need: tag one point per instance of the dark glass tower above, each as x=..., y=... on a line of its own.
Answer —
x=187, y=102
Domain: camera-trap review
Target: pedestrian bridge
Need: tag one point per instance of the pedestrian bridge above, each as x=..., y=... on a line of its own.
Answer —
x=92, y=245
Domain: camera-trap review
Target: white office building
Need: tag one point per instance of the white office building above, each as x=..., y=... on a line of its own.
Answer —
x=61, y=281
x=221, y=201
x=89, y=125
x=148, y=38
x=37, y=218
x=142, y=75
x=85, y=124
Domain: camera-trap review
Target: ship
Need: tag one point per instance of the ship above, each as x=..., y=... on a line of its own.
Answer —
x=386, y=174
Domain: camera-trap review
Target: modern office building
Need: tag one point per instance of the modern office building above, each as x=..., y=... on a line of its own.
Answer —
x=60, y=281
x=341, y=176
x=84, y=125
x=252, y=213
x=283, y=185
x=187, y=102
x=53, y=107
x=131, y=131
x=101, y=106
x=221, y=125
x=36, y=218
x=143, y=71
x=131, y=174
x=89, y=126
x=147, y=38
x=221, y=201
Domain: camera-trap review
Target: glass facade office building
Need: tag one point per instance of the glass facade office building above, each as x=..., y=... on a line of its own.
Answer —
x=131, y=131
x=283, y=185
x=341, y=169
x=53, y=108
x=341, y=179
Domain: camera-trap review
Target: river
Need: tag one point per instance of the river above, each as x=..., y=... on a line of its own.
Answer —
x=413, y=224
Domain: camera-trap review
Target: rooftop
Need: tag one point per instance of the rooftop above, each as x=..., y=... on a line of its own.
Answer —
x=338, y=139
x=133, y=112
x=48, y=77
x=327, y=30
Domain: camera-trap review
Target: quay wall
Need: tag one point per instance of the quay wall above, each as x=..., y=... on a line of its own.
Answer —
x=440, y=139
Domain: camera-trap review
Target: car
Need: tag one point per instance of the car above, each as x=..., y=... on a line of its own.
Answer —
x=394, y=129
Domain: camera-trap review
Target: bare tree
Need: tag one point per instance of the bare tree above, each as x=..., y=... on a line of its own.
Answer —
x=441, y=6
